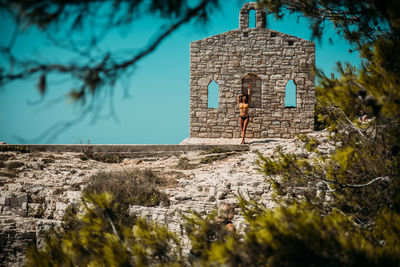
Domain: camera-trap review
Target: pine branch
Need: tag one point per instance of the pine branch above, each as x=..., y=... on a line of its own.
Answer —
x=327, y=181
x=109, y=70
x=350, y=123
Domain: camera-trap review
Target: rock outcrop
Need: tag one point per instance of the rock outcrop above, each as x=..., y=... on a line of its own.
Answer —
x=36, y=188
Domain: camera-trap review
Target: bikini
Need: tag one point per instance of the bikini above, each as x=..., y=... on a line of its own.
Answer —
x=244, y=106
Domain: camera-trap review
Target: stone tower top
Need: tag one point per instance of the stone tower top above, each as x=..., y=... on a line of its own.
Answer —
x=261, y=16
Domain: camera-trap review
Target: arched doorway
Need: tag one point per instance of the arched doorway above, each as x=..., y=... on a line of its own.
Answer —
x=255, y=83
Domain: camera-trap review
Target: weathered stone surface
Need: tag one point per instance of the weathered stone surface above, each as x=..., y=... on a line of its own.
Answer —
x=266, y=59
x=36, y=200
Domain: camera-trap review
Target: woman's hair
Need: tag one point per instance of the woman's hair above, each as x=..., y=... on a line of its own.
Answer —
x=226, y=211
x=247, y=98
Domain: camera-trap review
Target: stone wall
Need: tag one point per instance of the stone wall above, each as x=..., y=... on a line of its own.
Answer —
x=265, y=58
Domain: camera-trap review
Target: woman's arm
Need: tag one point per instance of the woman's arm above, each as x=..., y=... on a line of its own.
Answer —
x=248, y=93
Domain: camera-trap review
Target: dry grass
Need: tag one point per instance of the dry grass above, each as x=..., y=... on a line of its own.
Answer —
x=135, y=187
x=184, y=164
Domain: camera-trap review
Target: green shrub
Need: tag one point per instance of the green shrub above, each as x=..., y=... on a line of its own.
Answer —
x=70, y=222
x=299, y=236
x=39, y=212
x=135, y=187
x=94, y=237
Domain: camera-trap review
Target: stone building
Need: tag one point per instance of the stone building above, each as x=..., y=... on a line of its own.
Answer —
x=271, y=61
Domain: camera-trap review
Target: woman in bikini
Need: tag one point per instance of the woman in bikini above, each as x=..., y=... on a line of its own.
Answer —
x=243, y=102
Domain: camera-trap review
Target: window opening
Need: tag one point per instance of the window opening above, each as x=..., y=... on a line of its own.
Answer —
x=213, y=95
x=291, y=42
x=255, y=82
x=252, y=18
x=246, y=34
x=290, y=94
x=273, y=34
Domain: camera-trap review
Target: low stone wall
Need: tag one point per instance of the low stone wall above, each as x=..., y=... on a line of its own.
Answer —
x=120, y=148
x=124, y=151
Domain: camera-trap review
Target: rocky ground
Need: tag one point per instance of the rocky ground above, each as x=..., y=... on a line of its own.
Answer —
x=36, y=188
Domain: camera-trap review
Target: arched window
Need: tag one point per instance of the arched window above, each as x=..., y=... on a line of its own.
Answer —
x=213, y=95
x=255, y=94
x=290, y=94
x=252, y=18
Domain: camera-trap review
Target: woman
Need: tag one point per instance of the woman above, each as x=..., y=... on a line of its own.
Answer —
x=211, y=232
x=226, y=212
x=243, y=102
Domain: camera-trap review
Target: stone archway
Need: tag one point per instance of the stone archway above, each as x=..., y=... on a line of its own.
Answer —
x=255, y=83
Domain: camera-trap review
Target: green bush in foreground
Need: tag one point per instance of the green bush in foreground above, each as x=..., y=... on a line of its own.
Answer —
x=296, y=235
x=299, y=236
x=100, y=240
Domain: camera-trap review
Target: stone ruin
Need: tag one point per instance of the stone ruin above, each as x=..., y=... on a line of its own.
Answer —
x=267, y=59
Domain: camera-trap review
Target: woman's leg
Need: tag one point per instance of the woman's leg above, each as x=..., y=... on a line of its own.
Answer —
x=246, y=122
x=241, y=122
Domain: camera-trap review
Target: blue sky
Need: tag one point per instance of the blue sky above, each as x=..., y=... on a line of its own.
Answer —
x=153, y=105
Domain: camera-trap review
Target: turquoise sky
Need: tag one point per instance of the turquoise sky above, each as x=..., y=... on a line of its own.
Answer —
x=153, y=105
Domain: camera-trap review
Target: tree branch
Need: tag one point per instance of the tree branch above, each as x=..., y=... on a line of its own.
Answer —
x=102, y=67
x=358, y=130
x=327, y=181
x=190, y=14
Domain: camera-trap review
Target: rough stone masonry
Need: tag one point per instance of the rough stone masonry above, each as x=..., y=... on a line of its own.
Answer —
x=266, y=59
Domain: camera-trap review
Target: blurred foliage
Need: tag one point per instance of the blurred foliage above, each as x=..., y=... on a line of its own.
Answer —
x=205, y=232
x=79, y=27
x=297, y=235
x=100, y=240
x=362, y=177
x=359, y=21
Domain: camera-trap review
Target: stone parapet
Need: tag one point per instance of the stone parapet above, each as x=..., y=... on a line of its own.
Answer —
x=133, y=151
